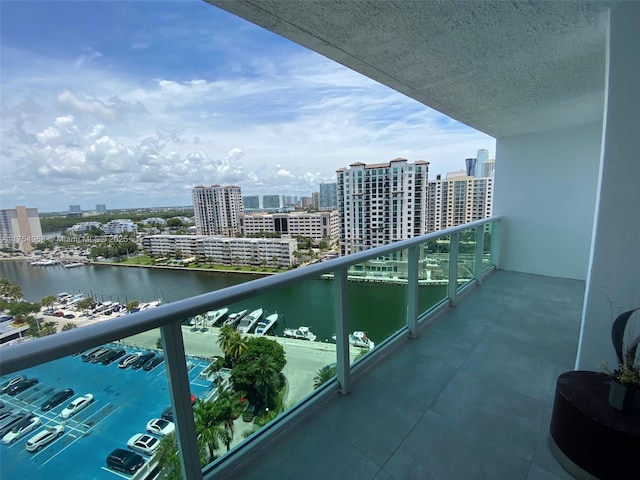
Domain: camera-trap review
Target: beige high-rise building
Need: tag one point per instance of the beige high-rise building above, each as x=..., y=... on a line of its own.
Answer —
x=217, y=209
x=381, y=203
x=20, y=228
x=458, y=199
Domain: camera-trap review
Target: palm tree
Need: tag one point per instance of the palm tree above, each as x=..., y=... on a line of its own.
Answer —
x=208, y=428
x=325, y=374
x=266, y=374
x=10, y=290
x=232, y=343
x=48, y=301
x=228, y=408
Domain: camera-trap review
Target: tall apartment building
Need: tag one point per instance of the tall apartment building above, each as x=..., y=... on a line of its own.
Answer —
x=458, y=199
x=20, y=228
x=316, y=225
x=381, y=203
x=315, y=200
x=489, y=168
x=481, y=157
x=74, y=211
x=251, y=202
x=101, y=208
x=328, y=195
x=271, y=202
x=217, y=209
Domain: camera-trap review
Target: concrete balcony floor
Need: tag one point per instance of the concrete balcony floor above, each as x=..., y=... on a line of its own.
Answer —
x=470, y=398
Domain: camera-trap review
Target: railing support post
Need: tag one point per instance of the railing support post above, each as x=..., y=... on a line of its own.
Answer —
x=343, y=363
x=412, y=292
x=178, y=377
x=454, y=248
x=478, y=270
x=496, y=233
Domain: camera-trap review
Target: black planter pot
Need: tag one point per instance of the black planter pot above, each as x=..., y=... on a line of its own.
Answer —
x=622, y=396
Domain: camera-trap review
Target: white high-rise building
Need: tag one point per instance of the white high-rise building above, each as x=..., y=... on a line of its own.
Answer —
x=381, y=203
x=457, y=200
x=217, y=209
x=481, y=157
x=489, y=168
x=20, y=228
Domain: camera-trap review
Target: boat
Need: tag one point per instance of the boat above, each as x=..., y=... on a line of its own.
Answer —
x=262, y=328
x=300, y=333
x=248, y=322
x=359, y=339
x=214, y=316
x=74, y=264
x=234, y=318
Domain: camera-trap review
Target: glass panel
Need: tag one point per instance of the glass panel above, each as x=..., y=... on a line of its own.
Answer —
x=264, y=355
x=377, y=301
x=81, y=408
x=466, y=257
x=488, y=238
x=433, y=273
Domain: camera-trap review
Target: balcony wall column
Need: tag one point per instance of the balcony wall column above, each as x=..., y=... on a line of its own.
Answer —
x=613, y=283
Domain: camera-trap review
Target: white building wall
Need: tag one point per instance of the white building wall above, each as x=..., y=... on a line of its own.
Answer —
x=613, y=283
x=545, y=188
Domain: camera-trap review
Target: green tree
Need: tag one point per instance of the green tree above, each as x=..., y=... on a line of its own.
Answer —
x=132, y=305
x=232, y=343
x=325, y=374
x=69, y=326
x=168, y=458
x=48, y=301
x=174, y=222
x=266, y=376
x=228, y=407
x=85, y=303
x=10, y=289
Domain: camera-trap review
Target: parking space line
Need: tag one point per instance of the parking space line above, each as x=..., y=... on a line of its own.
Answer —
x=115, y=473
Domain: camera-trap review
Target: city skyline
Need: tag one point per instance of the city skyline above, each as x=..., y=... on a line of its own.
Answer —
x=135, y=103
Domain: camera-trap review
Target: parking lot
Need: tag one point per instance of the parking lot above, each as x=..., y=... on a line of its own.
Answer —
x=124, y=401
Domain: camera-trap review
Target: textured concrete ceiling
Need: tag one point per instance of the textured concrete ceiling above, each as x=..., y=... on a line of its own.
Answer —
x=505, y=68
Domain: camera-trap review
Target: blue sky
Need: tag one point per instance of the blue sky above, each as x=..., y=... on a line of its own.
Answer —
x=133, y=103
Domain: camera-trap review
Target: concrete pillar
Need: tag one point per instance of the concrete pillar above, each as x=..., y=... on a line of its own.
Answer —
x=613, y=281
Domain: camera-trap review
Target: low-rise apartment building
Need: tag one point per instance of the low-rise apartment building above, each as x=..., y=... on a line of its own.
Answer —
x=273, y=252
x=317, y=225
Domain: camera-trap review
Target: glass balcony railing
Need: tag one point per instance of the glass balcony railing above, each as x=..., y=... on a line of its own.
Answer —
x=215, y=393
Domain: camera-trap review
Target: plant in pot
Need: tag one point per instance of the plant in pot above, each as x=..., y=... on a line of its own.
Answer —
x=625, y=380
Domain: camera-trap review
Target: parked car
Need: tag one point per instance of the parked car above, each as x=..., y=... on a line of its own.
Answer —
x=21, y=386
x=112, y=356
x=9, y=422
x=153, y=363
x=144, y=443
x=160, y=426
x=89, y=354
x=69, y=316
x=127, y=360
x=144, y=358
x=97, y=358
x=5, y=318
x=42, y=438
x=20, y=429
x=76, y=405
x=11, y=382
x=59, y=313
x=167, y=413
x=56, y=399
x=124, y=461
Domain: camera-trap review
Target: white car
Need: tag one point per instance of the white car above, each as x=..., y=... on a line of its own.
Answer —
x=160, y=426
x=128, y=360
x=76, y=405
x=20, y=429
x=44, y=437
x=14, y=381
x=143, y=443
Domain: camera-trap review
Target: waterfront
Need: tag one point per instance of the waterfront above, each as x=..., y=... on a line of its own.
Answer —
x=377, y=308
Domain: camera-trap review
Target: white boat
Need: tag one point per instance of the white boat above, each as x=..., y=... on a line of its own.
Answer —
x=234, y=318
x=301, y=333
x=74, y=264
x=262, y=328
x=214, y=316
x=248, y=322
x=359, y=339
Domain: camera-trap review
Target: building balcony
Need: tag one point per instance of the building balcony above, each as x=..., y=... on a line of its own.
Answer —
x=471, y=370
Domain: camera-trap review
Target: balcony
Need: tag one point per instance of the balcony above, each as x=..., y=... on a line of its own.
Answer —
x=478, y=376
